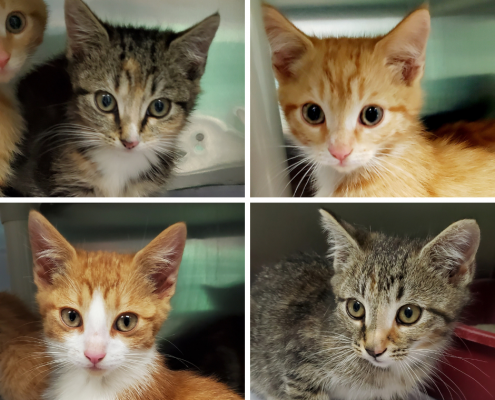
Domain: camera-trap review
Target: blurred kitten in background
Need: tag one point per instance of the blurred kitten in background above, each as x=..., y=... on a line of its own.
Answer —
x=22, y=25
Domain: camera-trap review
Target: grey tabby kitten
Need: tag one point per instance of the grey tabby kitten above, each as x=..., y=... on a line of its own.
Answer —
x=369, y=325
x=103, y=119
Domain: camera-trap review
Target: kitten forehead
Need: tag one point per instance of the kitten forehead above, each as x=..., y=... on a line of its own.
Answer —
x=96, y=319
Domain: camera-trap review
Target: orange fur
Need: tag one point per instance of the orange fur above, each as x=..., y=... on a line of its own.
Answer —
x=343, y=76
x=141, y=283
x=23, y=369
x=20, y=46
x=473, y=134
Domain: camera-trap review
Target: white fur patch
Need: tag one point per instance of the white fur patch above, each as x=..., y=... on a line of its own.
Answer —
x=118, y=166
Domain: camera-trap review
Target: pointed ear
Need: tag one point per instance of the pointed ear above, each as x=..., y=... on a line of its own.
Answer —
x=51, y=252
x=193, y=44
x=453, y=251
x=404, y=48
x=342, y=244
x=160, y=260
x=288, y=43
x=84, y=30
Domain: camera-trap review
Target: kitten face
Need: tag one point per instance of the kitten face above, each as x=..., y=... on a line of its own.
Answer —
x=398, y=300
x=98, y=306
x=101, y=311
x=22, y=25
x=349, y=102
x=134, y=88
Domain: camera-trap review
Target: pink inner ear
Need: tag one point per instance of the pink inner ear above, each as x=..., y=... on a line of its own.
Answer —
x=45, y=270
x=164, y=281
x=410, y=68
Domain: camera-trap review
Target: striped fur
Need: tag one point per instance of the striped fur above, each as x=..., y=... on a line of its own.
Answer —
x=72, y=147
x=304, y=344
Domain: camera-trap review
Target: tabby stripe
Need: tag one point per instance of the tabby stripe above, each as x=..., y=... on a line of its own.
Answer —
x=447, y=319
x=81, y=92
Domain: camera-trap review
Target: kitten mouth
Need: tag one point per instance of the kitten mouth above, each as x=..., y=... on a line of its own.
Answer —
x=94, y=370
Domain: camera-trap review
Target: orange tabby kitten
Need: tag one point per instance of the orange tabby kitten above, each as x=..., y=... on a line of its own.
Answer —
x=473, y=133
x=22, y=25
x=352, y=105
x=101, y=312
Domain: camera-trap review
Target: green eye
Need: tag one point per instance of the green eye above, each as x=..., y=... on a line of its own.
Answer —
x=355, y=309
x=159, y=108
x=105, y=101
x=126, y=322
x=408, y=314
x=16, y=22
x=71, y=318
x=313, y=114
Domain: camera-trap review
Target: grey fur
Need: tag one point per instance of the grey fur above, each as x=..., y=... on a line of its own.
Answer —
x=70, y=141
x=305, y=346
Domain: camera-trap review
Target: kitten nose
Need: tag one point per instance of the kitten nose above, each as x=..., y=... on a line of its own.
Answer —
x=373, y=354
x=129, y=145
x=95, y=358
x=4, y=58
x=340, y=153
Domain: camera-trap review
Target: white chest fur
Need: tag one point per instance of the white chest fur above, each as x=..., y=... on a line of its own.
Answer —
x=117, y=167
x=78, y=384
x=326, y=181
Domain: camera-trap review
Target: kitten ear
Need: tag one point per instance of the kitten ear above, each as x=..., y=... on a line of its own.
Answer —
x=84, y=30
x=453, y=251
x=51, y=252
x=404, y=48
x=342, y=244
x=193, y=44
x=160, y=260
x=288, y=43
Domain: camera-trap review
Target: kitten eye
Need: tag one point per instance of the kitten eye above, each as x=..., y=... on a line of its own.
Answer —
x=355, y=309
x=105, y=101
x=371, y=115
x=126, y=322
x=408, y=314
x=71, y=318
x=313, y=114
x=16, y=22
x=159, y=108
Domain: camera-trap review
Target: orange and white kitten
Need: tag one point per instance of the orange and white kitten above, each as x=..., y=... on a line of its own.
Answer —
x=101, y=312
x=22, y=26
x=352, y=105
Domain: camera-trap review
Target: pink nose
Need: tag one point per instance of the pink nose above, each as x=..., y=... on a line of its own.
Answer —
x=340, y=153
x=129, y=145
x=95, y=358
x=4, y=58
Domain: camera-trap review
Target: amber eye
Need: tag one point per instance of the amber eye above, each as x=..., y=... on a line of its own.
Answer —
x=105, y=101
x=16, y=22
x=71, y=318
x=126, y=322
x=313, y=114
x=159, y=108
x=371, y=115
x=408, y=314
x=355, y=309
